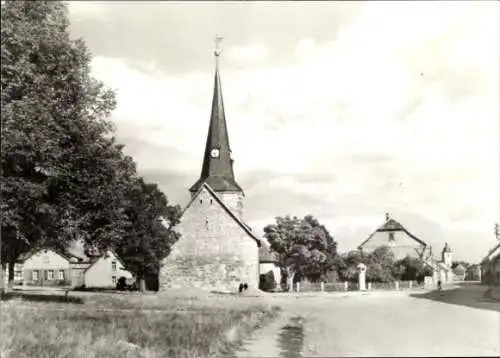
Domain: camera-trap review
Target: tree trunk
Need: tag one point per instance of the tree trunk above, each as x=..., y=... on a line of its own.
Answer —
x=10, y=285
x=290, y=274
x=3, y=267
x=142, y=285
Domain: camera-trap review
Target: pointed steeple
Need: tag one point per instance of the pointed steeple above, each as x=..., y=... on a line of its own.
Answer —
x=217, y=170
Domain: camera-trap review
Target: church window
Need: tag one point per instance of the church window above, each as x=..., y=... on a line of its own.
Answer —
x=211, y=201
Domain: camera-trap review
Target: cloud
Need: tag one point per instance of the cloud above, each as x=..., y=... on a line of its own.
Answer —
x=379, y=113
x=249, y=53
x=166, y=31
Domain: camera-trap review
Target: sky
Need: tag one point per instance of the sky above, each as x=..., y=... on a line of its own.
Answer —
x=341, y=110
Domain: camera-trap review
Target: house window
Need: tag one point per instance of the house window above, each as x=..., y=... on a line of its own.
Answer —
x=113, y=266
x=46, y=259
x=18, y=274
x=113, y=279
x=34, y=275
x=50, y=275
x=61, y=275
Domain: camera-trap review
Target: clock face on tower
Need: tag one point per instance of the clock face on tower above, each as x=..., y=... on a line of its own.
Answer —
x=214, y=153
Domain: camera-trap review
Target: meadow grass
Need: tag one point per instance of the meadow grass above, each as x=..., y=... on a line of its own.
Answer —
x=116, y=326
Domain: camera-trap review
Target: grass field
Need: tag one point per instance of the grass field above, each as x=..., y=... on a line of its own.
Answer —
x=121, y=326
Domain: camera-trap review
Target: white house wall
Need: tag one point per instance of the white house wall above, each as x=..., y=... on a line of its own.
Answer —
x=101, y=273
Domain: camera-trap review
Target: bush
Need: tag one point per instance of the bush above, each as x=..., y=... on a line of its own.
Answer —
x=124, y=284
x=267, y=282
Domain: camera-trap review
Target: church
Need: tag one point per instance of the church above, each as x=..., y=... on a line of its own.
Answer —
x=216, y=250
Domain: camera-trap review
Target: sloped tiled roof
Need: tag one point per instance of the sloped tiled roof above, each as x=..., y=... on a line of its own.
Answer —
x=392, y=225
x=492, y=253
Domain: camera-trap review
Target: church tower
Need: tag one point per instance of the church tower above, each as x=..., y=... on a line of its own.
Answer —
x=446, y=255
x=217, y=169
x=216, y=248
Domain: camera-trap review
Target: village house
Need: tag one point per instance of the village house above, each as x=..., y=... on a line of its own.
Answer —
x=402, y=243
x=395, y=236
x=217, y=249
x=43, y=268
x=473, y=273
x=459, y=272
x=490, y=267
x=49, y=267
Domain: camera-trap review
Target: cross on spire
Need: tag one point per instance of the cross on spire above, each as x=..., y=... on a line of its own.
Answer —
x=217, y=51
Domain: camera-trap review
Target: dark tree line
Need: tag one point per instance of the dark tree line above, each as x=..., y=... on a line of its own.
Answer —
x=64, y=176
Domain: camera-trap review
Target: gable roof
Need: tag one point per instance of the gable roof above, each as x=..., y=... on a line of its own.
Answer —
x=392, y=225
x=435, y=265
x=240, y=222
x=23, y=257
x=97, y=258
x=491, y=253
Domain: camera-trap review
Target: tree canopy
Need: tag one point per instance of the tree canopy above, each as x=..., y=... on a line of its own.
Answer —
x=64, y=176
x=61, y=167
x=150, y=234
x=304, y=247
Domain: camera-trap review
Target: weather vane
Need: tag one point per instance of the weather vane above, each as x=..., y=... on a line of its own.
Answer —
x=217, y=50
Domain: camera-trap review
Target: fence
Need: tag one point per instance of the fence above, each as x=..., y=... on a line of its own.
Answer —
x=306, y=286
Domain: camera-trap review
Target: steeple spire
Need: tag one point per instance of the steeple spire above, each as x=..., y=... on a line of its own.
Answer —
x=217, y=169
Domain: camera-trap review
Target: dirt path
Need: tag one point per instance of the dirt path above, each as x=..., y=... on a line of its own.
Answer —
x=281, y=338
x=381, y=324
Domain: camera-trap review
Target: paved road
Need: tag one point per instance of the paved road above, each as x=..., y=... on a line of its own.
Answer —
x=459, y=322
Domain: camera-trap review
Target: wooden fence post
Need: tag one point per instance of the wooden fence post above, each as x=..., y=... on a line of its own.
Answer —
x=322, y=286
x=397, y=285
x=369, y=286
x=346, y=286
x=298, y=286
x=411, y=284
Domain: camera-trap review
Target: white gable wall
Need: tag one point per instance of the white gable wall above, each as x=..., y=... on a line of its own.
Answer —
x=213, y=252
x=101, y=273
x=48, y=260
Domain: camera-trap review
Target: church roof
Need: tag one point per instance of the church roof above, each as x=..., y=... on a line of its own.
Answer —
x=235, y=217
x=217, y=168
x=392, y=225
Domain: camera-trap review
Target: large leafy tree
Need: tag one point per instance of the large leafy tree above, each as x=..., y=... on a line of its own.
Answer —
x=380, y=263
x=348, y=268
x=151, y=233
x=302, y=246
x=411, y=269
x=63, y=175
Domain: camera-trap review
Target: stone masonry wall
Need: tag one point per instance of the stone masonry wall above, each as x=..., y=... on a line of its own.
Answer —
x=214, y=252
